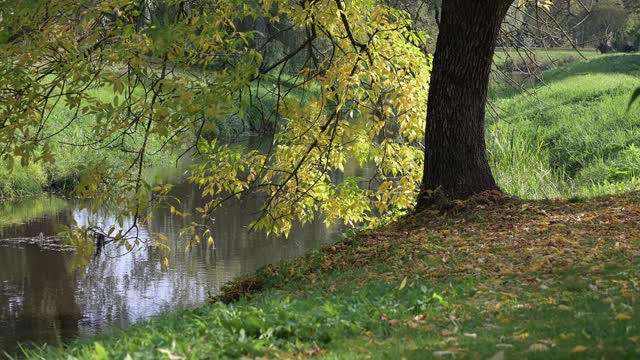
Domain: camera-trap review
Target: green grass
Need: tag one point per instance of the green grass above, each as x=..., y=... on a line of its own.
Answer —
x=571, y=136
x=512, y=60
x=70, y=165
x=71, y=162
x=412, y=291
x=379, y=319
x=520, y=69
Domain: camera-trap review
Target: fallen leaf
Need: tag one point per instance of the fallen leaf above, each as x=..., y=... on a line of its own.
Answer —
x=498, y=356
x=170, y=354
x=403, y=283
x=314, y=351
x=623, y=317
x=447, y=332
x=521, y=335
x=503, y=319
x=471, y=335
x=565, y=336
x=442, y=353
x=580, y=348
x=538, y=348
x=450, y=351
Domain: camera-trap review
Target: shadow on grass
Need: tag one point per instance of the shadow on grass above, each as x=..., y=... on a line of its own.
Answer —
x=610, y=64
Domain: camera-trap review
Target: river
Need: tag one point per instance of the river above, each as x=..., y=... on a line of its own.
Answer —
x=46, y=298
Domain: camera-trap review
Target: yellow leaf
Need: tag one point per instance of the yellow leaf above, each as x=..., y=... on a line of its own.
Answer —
x=580, y=348
x=403, y=283
x=623, y=317
x=521, y=335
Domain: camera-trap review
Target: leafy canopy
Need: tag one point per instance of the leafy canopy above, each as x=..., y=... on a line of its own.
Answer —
x=143, y=81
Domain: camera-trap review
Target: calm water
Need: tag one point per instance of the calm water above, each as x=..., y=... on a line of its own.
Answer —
x=44, y=299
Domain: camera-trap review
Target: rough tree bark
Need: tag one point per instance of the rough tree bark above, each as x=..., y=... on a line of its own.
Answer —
x=455, y=157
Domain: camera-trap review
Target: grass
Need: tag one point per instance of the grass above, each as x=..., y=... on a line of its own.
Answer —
x=552, y=279
x=543, y=59
x=516, y=70
x=571, y=137
x=72, y=162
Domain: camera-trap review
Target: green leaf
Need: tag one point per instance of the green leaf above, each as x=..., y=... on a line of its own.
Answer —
x=634, y=97
x=99, y=352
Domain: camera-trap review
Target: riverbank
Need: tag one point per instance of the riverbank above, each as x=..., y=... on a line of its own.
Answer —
x=492, y=276
x=570, y=136
x=77, y=153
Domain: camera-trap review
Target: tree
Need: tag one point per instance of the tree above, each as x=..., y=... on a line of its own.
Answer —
x=359, y=95
x=455, y=155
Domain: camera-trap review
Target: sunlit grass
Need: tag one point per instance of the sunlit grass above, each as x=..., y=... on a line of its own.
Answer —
x=571, y=136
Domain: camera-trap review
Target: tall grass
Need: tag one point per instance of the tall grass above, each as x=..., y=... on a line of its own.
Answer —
x=520, y=159
x=571, y=136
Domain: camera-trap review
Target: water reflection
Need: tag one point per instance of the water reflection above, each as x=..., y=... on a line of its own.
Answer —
x=37, y=297
x=43, y=299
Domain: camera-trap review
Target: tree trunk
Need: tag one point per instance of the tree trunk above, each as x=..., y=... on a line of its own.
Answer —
x=455, y=156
